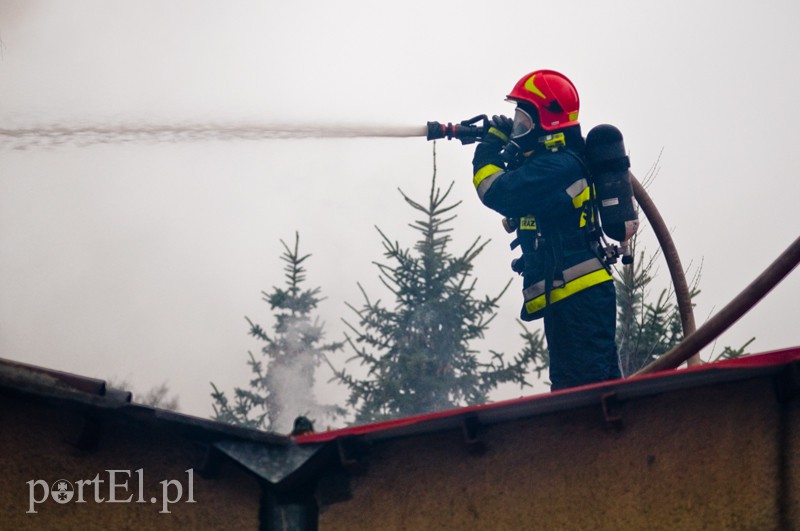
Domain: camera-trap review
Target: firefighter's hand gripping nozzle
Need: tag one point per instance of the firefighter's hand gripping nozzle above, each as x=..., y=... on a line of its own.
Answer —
x=467, y=131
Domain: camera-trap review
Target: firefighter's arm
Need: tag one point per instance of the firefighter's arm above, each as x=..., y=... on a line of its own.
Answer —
x=487, y=163
x=537, y=186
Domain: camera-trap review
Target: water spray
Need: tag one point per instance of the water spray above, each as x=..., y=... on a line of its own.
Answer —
x=86, y=135
x=467, y=131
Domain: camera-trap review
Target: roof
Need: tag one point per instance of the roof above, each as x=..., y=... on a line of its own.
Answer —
x=82, y=393
x=285, y=462
x=742, y=368
x=270, y=456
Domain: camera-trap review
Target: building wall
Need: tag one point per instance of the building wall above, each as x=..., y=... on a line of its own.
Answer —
x=38, y=442
x=706, y=458
x=792, y=467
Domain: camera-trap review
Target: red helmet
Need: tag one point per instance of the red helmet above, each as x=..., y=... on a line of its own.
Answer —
x=553, y=95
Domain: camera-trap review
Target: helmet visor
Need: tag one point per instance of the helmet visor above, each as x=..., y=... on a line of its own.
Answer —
x=523, y=123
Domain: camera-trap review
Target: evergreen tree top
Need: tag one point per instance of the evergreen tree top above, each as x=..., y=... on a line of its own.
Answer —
x=418, y=354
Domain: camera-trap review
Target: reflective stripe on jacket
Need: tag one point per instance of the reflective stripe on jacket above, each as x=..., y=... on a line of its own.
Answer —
x=576, y=278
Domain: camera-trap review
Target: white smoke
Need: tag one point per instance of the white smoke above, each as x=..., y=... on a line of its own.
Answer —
x=289, y=382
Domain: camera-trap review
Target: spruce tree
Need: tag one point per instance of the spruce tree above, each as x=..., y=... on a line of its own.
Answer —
x=418, y=352
x=648, y=327
x=281, y=388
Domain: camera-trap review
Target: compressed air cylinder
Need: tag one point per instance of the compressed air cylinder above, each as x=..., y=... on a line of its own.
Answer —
x=605, y=154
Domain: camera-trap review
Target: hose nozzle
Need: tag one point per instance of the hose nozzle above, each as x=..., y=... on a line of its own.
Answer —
x=467, y=131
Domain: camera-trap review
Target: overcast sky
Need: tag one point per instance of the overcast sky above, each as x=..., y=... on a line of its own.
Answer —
x=140, y=260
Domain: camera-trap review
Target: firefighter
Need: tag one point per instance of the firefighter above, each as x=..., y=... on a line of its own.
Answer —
x=531, y=170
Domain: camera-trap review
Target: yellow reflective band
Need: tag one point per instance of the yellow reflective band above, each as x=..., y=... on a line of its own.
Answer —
x=573, y=116
x=485, y=172
x=577, y=187
x=498, y=133
x=532, y=88
x=571, y=273
x=570, y=288
x=581, y=198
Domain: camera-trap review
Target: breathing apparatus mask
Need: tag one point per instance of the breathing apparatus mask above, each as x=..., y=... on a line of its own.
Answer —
x=523, y=123
x=528, y=136
x=522, y=138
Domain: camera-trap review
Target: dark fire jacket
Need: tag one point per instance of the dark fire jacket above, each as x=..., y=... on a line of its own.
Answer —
x=548, y=199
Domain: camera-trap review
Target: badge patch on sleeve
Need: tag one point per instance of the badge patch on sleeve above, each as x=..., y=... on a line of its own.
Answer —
x=527, y=223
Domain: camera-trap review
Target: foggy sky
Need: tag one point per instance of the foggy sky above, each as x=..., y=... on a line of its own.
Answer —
x=139, y=260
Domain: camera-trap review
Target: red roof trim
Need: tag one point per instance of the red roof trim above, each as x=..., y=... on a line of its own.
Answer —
x=769, y=359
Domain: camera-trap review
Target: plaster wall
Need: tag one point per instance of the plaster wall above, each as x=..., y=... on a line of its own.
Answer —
x=705, y=458
x=38, y=442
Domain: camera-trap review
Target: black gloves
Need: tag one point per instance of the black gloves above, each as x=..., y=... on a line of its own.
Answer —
x=499, y=130
x=488, y=150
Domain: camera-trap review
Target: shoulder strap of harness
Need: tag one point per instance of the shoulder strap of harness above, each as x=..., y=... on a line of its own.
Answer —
x=595, y=233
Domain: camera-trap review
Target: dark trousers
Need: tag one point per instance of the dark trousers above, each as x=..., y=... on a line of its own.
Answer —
x=580, y=334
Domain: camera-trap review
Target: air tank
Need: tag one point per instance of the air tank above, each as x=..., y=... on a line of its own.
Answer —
x=608, y=163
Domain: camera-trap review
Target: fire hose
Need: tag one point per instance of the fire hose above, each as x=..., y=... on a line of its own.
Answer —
x=741, y=304
x=682, y=293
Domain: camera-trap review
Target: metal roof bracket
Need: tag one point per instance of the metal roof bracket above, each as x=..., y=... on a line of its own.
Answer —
x=611, y=410
x=471, y=428
x=352, y=451
x=787, y=382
